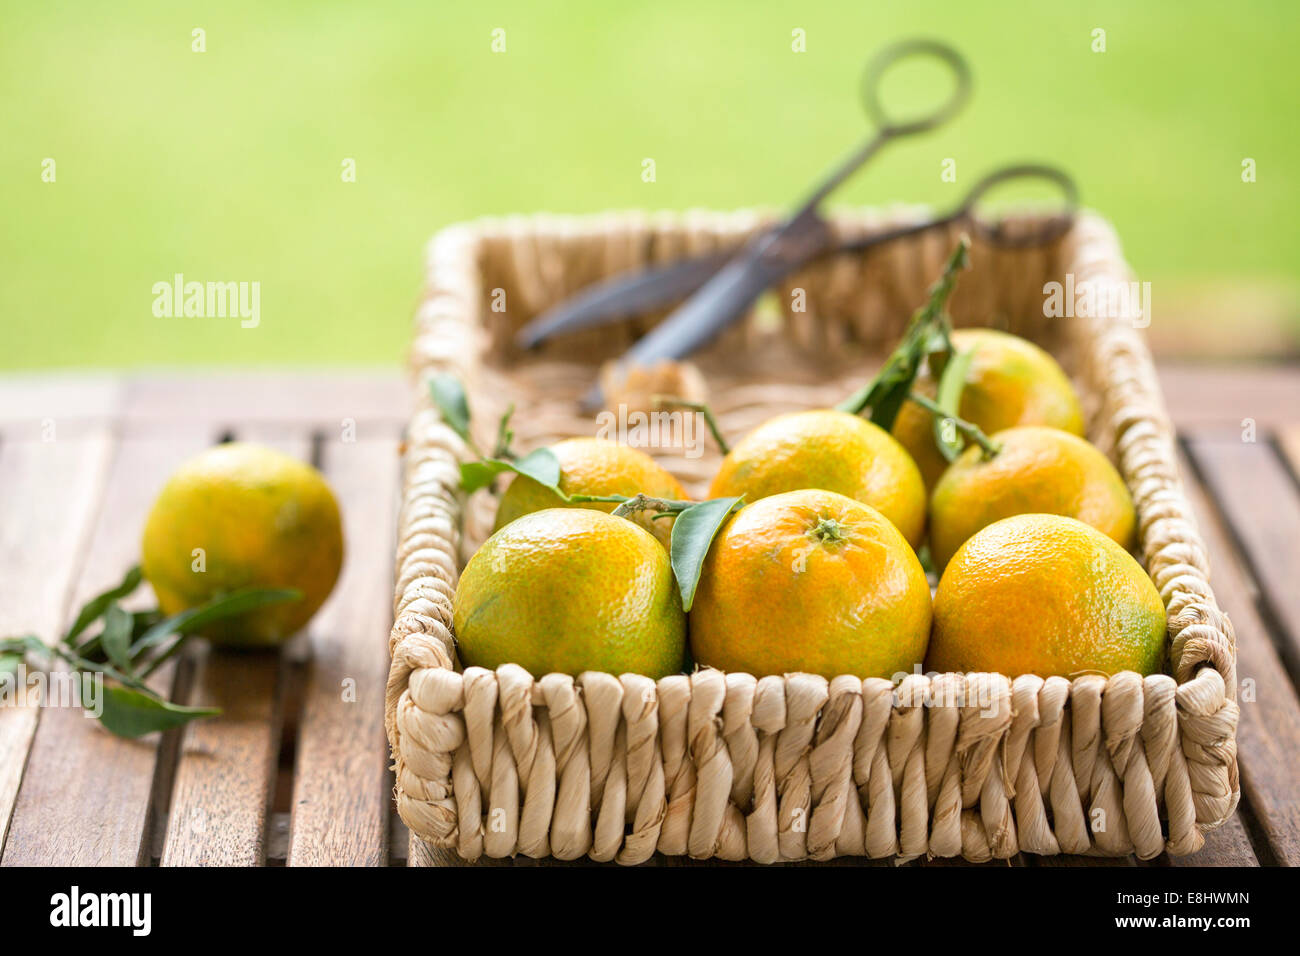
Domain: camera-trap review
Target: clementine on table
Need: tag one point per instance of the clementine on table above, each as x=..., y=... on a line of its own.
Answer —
x=1038, y=470
x=570, y=590
x=1046, y=595
x=594, y=466
x=1011, y=381
x=811, y=581
x=244, y=516
x=832, y=450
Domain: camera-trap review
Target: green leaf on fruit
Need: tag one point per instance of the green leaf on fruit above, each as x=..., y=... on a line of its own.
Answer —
x=540, y=465
x=693, y=534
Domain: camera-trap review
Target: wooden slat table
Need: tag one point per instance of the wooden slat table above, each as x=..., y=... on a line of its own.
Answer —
x=295, y=770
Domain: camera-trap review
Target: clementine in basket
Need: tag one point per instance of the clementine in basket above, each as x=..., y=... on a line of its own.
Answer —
x=594, y=466
x=832, y=450
x=1046, y=595
x=244, y=516
x=571, y=590
x=811, y=581
x=1036, y=470
x=1010, y=382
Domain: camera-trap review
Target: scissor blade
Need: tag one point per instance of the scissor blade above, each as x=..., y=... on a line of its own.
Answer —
x=623, y=296
x=726, y=296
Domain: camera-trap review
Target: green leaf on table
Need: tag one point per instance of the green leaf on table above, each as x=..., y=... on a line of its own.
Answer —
x=449, y=395
x=26, y=644
x=948, y=398
x=132, y=713
x=540, y=465
x=116, y=636
x=693, y=533
x=219, y=608
x=141, y=621
x=97, y=605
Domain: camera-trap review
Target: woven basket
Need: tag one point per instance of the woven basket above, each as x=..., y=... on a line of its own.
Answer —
x=493, y=764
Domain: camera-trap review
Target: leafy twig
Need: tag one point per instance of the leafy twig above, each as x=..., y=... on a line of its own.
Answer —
x=885, y=393
x=130, y=646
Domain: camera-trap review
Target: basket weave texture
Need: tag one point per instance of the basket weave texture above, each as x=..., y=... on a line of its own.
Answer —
x=617, y=767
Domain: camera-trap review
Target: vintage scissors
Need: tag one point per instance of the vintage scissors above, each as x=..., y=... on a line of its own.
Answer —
x=726, y=284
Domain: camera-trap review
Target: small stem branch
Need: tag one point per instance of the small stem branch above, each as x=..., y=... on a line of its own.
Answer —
x=703, y=409
x=638, y=502
x=505, y=436
x=80, y=663
x=968, y=429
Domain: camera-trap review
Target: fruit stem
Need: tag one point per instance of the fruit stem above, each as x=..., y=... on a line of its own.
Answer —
x=828, y=529
x=968, y=429
x=702, y=408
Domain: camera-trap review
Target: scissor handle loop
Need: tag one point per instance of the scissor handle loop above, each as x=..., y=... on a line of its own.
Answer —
x=1050, y=229
x=894, y=54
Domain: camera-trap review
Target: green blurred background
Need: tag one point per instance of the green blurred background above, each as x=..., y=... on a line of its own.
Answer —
x=226, y=165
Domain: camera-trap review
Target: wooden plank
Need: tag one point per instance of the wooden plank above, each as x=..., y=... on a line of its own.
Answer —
x=221, y=796
x=374, y=400
x=1202, y=394
x=51, y=491
x=1259, y=499
x=1288, y=442
x=1268, y=735
x=48, y=406
x=342, y=787
x=1227, y=846
x=85, y=800
x=422, y=854
x=226, y=771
